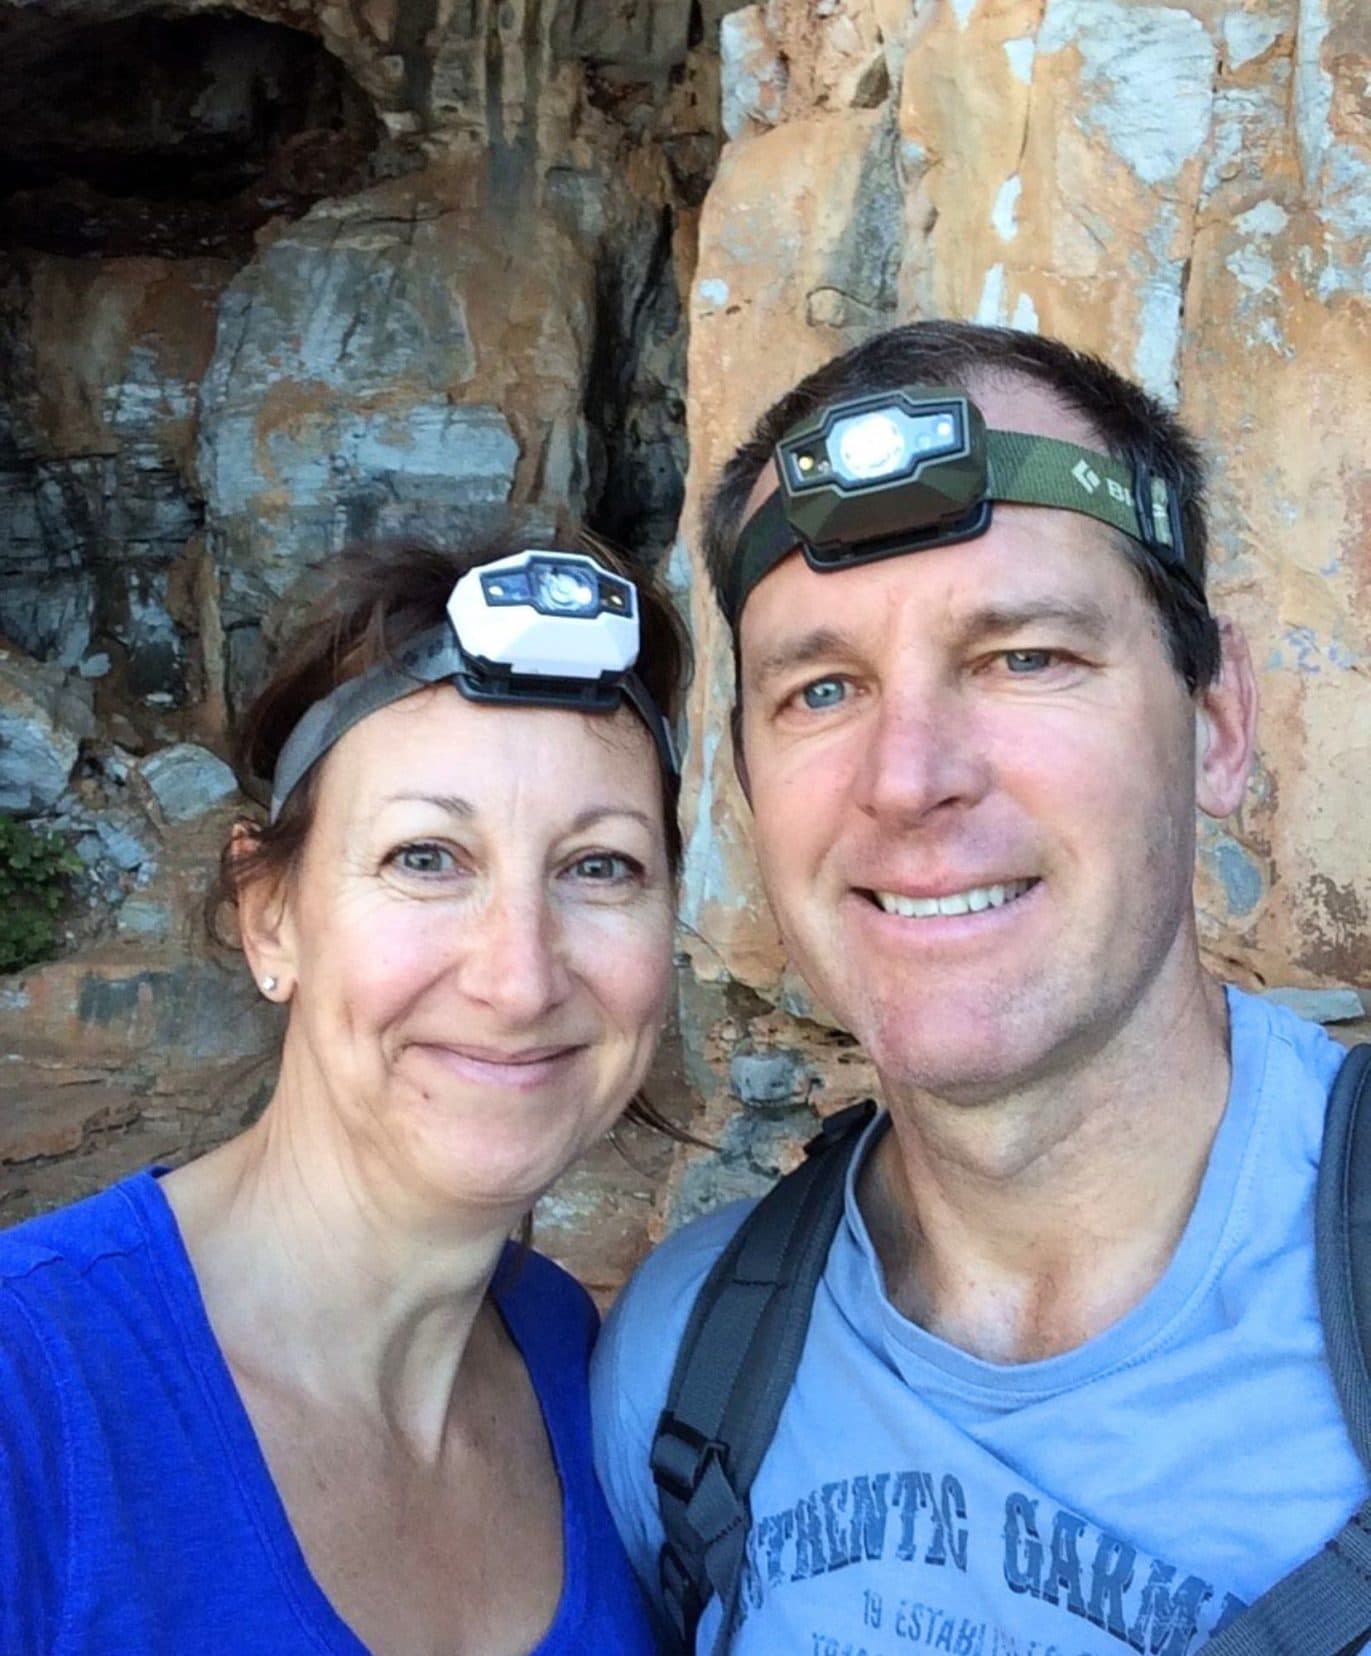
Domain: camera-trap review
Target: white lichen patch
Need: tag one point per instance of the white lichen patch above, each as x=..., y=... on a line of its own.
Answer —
x=1346, y=203
x=1021, y=54
x=1267, y=218
x=1149, y=71
x=1004, y=214
x=1025, y=316
x=990, y=310
x=1246, y=37
x=1313, y=101
x=711, y=294
x=1251, y=269
x=1157, y=353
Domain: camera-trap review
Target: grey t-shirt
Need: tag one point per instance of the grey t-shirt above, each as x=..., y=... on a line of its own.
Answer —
x=1133, y=1493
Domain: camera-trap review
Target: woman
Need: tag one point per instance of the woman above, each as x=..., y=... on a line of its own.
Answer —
x=298, y=1395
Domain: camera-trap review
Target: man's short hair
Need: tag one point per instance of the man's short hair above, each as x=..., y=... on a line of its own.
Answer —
x=1131, y=426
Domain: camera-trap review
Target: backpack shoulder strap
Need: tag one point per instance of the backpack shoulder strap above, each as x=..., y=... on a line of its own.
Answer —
x=1323, y=1608
x=733, y=1372
x=1342, y=1221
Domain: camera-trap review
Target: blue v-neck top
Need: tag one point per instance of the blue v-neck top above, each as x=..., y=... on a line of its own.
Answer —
x=137, y=1512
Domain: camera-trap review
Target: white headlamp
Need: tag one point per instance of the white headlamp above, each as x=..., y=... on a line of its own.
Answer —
x=542, y=628
x=547, y=615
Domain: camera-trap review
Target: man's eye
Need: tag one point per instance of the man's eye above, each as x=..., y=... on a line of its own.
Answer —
x=423, y=858
x=824, y=693
x=1028, y=661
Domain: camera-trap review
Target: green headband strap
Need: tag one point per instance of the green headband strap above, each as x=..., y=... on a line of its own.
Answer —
x=1022, y=470
x=1044, y=471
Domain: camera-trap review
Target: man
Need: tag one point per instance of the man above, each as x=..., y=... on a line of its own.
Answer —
x=1064, y=1388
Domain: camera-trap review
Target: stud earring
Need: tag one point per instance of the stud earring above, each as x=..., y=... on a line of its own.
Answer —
x=268, y=985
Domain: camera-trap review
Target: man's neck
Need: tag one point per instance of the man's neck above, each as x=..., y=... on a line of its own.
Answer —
x=1021, y=1228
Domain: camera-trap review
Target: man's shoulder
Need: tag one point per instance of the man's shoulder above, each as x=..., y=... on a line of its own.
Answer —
x=677, y=1267
x=1285, y=1065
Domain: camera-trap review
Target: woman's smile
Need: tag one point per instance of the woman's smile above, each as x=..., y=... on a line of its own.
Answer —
x=520, y=1069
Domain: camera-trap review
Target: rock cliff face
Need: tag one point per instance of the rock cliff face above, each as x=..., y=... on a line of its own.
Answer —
x=278, y=274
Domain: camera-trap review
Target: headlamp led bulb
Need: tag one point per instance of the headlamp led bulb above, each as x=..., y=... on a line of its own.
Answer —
x=870, y=446
x=564, y=591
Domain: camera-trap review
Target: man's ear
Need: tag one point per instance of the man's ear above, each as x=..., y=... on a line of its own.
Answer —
x=264, y=919
x=735, y=727
x=1225, y=727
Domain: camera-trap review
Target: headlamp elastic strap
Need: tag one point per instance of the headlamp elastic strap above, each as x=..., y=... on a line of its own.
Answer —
x=1028, y=470
x=427, y=659
x=436, y=657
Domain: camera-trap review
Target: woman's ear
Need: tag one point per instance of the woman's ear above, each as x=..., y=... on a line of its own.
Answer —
x=1225, y=727
x=264, y=918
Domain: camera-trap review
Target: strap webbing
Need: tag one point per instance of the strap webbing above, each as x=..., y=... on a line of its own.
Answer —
x=1323, y=1608
x=733, y=1373
x=1044, y=471
x=1342, y=1222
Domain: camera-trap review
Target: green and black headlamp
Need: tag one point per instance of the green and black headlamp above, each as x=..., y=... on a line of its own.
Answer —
x=905, y=470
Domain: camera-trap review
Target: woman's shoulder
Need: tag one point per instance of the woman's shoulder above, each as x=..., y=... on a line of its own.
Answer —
x=71, y=1241
x=77, y=1286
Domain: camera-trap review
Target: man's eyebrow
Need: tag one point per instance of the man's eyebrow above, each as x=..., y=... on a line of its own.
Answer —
x=1080, y=616
x=819, y=644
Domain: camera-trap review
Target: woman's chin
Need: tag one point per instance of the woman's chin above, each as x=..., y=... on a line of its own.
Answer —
x=492, y=1154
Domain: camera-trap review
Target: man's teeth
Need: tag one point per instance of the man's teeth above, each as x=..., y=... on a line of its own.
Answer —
x=957, y=902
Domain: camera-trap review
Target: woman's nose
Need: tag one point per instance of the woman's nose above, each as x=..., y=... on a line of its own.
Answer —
x=513, y=957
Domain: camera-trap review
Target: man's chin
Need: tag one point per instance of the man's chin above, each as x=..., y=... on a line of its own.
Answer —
x=951, y=1053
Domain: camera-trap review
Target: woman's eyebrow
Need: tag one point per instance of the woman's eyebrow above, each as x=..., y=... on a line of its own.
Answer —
x=453, y=804
x=597, y=813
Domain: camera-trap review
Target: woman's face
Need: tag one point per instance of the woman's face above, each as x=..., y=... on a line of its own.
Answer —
x=477, y=939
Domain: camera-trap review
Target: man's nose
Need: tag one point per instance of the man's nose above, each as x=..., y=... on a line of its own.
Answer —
x=513, y=959
x=925, y=754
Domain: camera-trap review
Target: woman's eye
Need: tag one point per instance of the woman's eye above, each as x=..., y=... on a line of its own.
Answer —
x=423, y=858
x=605, y=868
x=1028, y=661
x=823, y=693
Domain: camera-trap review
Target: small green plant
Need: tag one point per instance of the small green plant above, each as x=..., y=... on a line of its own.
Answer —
x=35, y=875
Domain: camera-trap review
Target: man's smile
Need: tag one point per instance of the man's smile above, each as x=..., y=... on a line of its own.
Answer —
x=969, y=900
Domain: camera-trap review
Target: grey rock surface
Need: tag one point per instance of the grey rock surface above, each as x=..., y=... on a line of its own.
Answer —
x=768, y=1079
x=1324, y=1006
x=42, y=722
x=187, y=780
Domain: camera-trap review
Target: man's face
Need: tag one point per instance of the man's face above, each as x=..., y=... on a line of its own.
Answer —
x=973, y=776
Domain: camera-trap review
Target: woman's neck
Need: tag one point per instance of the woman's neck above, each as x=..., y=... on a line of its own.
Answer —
x=323, y=1277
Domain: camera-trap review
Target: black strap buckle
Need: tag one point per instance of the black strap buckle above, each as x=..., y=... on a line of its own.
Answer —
x=1145, y=504
x=680, y=1456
